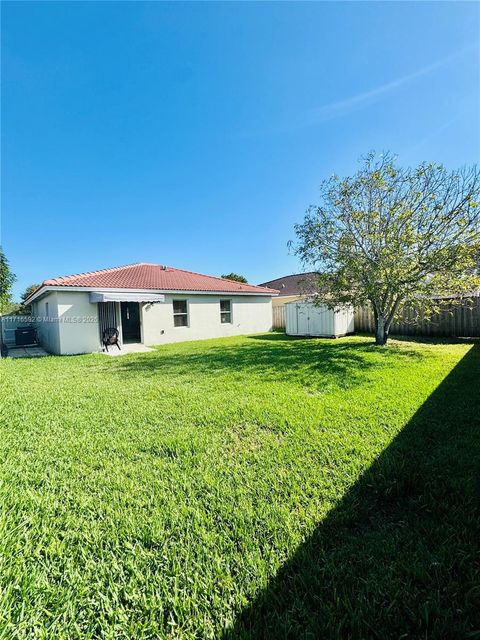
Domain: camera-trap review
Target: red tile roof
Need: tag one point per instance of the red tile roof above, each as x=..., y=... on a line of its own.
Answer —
x=154, y=276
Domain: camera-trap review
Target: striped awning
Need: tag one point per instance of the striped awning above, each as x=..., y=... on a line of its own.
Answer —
x=114, y=296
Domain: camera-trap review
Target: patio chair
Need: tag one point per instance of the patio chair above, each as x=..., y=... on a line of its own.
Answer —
x=110, y=337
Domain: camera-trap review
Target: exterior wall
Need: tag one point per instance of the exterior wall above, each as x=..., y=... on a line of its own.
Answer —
x=250, y=314
x=78, y=323
x=47, y=322
x=72, y=330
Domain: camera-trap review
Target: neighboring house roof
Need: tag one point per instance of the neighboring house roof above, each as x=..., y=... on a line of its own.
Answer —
x=145, y=276
x=297, y=284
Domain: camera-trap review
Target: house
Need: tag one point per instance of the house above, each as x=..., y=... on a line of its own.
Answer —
x=148, y=304
x=294, y=287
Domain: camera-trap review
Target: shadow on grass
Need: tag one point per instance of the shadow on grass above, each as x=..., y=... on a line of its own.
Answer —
x=427, y=339
x=273, y=356
x=398, y=557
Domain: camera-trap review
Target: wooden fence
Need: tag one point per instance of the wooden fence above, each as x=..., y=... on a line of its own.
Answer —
x=456, y=320
x=278, y=320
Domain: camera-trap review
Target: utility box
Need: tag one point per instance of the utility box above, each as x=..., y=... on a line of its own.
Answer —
x=25, y=336
x=308, y=319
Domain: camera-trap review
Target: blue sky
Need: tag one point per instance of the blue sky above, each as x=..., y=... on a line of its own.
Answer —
x=196, y=134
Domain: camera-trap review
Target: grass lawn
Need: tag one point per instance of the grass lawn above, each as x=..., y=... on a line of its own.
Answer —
x=254, y=487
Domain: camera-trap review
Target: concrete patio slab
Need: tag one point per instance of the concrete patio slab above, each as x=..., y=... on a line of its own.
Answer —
x=127, y=349
x=26, y=352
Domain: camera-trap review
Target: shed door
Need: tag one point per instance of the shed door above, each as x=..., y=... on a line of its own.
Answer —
x=303, y=320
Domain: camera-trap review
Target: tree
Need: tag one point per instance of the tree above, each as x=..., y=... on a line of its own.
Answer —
x=236, y=277
x=27, y=308
x=391, y=236
x=22, y=309
x=28, y=292
x=7, y=278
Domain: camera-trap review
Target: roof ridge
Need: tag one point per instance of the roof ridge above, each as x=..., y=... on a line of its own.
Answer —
x=196, y=273
x=150, y=264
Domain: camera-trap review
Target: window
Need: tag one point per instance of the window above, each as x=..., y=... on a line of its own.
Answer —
x=46, y=309
x=225, y=311
x=180, y=313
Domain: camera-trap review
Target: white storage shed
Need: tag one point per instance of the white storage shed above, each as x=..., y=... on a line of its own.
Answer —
x=308, y=319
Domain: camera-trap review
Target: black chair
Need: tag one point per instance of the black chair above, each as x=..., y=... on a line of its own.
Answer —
x=110, y=337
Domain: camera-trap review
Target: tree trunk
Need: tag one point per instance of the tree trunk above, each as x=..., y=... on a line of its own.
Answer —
x=381, y=330
x=383, y=320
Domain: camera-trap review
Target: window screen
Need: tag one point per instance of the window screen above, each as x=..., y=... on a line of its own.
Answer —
x=180, y=313
x=225, y=311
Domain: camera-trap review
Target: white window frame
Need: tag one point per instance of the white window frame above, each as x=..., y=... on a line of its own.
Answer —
x=229, y=300
x=187, y=313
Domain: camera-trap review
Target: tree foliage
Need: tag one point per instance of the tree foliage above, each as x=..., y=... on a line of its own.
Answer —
x=7, y=278
x=236, y=277
x=28, y=291
x=392, y=236
x=22, y=309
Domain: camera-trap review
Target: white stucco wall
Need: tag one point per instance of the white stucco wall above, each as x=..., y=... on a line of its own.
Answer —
x=47, y=322
x=75, y=333
x=250, y=314
x=78, y=323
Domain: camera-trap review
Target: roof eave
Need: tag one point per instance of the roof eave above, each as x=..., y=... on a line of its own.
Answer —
x=45, y=288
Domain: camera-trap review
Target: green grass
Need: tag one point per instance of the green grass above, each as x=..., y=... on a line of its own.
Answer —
x=254, y=487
